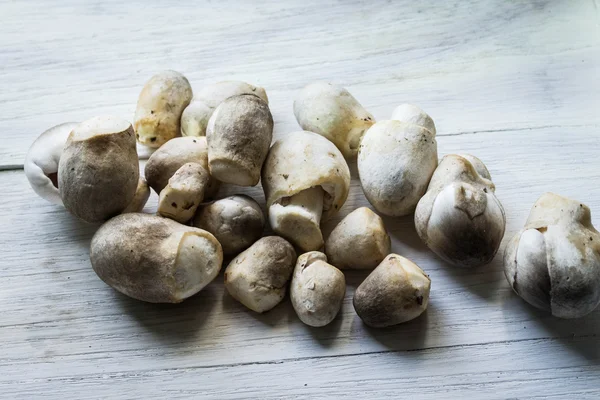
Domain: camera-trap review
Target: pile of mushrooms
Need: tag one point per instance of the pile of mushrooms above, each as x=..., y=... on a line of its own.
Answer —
x=223, y=135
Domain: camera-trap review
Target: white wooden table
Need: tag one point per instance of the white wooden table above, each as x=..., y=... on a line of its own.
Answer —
x=515, y=83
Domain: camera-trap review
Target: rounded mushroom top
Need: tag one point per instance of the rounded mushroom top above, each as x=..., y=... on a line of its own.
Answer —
x=215, y=94
x=41, y=162
x=165, y=161
x=303, y=160
x=412, y=114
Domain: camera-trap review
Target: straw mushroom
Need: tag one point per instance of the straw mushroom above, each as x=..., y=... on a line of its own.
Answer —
x=460, y=218
x=331, y=111
x=142, y=193
x=98, y=171
x=180, y=199
x=239, y=134
x=359, y=241
x=196, y=115
x=317, y=289
x=258, y=276
x=553, y=263
x=154, y=259
x=396, y=160
x=306, y=180
x=395, y=292
x=236, y=221
x=41, y=162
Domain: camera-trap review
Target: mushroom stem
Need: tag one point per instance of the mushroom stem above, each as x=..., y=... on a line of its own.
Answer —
x=298, y=217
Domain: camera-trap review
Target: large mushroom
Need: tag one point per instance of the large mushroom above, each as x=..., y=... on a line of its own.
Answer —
x=306, y=180
x=553, y=263
x=331, y=111
x=460, y=218
x=41, y=162
x=396, y=160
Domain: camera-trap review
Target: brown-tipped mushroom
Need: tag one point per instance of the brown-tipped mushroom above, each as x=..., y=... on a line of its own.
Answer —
x=98, y=171
x=236, y=221
x=396, y=160
x=154, y=259
x=359, y=241
x=306, y=180
x=317, y=290
x=553, y=263
x=173, y=155
x=395, y=292
x=180, y=199
x=331, y=111
x=41, y=162
x=194, y=119
x=159, y=108
x=239, y=134
x=258, y=276
x=142, y=193
x=460, y=218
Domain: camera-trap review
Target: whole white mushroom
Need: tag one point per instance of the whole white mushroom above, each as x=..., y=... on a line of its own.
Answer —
x=553, y=263
x=460, y=218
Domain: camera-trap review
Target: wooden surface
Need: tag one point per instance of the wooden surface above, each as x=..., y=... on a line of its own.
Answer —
x=514, y=83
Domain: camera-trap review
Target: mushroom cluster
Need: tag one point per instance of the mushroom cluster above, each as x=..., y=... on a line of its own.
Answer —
x=224, y=136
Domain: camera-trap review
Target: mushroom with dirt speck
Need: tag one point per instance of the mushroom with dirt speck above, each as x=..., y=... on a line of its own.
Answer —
x=395, y=292
x=236, y=221
x=331, y=111
x=98, y=171
x=553, y=263
x=154, y=259
x=258, y=277
x=460, y=218
x=180, y=199
x=317, y=289
x=306, y=180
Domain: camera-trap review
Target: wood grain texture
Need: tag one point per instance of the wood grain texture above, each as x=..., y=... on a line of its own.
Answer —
x=514, y=83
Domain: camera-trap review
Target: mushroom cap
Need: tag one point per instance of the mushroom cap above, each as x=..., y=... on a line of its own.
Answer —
x=98, y=172
x=154, y=259
x=460, y=218
x=236, y=221
x=239, y=134
x=194, y=118
x=258, y=276
x=553, y=263
x=215, y=94
x=41, y=162
x=412, y=114
x=395, y=163
x=303, y=160
x=331, y=111
x=317, y=289
x=395, y=292
x=359, y=241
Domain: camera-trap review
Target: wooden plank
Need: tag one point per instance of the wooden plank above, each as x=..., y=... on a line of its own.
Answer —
x=60, y=321
x=474, y=65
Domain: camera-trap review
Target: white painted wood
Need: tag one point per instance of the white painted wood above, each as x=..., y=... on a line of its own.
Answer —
x=514, y=83
x=474, y=65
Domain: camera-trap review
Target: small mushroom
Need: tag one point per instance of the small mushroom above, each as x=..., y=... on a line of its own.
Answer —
x=395, y=292
x=236, y=221
x=196, y=115
x=395, y=163
x=154, y=259
x=98, y=171
x=460, y=218
x=553, y=263
x=159, y=108
x=173, y=155
x=413, y=115
x=239, y=134
x=317, y=290
x=306, y=180
x=142, y=193
x=359, y=241
x=179, y=200
x=41, y=162
x=258, y=276
x=331, y=111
